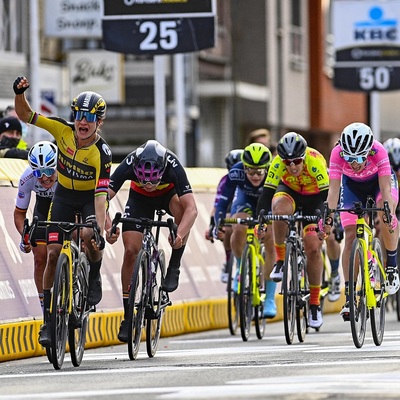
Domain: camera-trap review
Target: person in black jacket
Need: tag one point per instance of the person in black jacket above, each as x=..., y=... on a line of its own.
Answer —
x=10, y=135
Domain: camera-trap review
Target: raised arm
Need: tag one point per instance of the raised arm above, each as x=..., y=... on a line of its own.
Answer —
x=22, y=107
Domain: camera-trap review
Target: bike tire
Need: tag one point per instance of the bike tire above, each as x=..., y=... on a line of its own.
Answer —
x=357, y=298
x=59, y=311
x=245, y=295
x=303, y=303
x=233, y=299
x=77, y=334
x=289, y=288
x=378, y=313
x=137, y=304
x=154, y=321
x=259, y=320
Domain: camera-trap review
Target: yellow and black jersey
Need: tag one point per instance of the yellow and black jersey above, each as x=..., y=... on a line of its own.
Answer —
x=313, y=179
x=84, y=169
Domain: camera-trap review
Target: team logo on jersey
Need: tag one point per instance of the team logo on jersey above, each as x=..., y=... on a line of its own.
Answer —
x=106, y=149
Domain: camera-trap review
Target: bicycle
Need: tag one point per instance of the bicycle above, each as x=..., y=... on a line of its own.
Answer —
x=295, y=287
x=147, y=300
x=249, y=296
x=233, y=306
x=367, y=295
x=69, y=310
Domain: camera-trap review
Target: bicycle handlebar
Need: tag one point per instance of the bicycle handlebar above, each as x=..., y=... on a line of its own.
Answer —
x=146, y=222
x=66, y=227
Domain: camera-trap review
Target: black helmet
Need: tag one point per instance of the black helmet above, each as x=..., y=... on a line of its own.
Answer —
x=291, y=145
x=150, y=162
x=233, y=157
x=91, y=102
x=256, y=155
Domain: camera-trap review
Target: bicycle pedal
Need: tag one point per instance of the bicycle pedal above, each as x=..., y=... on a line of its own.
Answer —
x=346, y=317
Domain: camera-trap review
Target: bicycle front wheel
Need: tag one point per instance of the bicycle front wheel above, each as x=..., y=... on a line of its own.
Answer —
x=259, y=320
x=378, y=313
x=245, y=295
x=289, y=288
x=303, y=302
x=156, y=312
x=137, y=304
x=233, y=299
x=357, y=300
x=59, y=311
x=78, y=322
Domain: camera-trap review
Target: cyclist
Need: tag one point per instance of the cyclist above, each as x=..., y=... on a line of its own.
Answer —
x=84, y=163
x=242, y=190
x=359, y=166
x=230, y=159
x=158, y=181
x=297, y=177
x=39, y=177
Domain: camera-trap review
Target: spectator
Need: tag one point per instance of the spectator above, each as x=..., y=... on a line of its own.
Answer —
x=10, y=136
x=10, y=112
x=262, y=136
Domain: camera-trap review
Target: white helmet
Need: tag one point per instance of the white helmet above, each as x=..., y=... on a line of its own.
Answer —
x=392, y=146
x=43, y=155
x=356, y=139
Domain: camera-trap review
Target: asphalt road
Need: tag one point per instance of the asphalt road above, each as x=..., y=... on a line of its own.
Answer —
x=216, y=365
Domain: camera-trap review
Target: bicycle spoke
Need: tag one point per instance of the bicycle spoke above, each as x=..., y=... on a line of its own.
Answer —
x=245, y=298
x=289, y=288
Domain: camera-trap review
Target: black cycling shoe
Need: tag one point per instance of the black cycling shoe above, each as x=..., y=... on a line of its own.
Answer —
x=45, y=335
x=171, y=280
x=95, y=291
x=123, y=332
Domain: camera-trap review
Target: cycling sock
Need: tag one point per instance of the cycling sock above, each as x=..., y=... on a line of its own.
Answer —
x=314, y=294
x=334, y=267
x=280, y=250
x=41, y=301
x=176, y=255
x=125, y=302
x=46, y=304
x=391, y=257
x=94, y=268
x=228, y=253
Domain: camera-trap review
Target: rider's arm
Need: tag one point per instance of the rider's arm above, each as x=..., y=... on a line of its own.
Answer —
x=19, y=218
x=385, y=188
x=189, y=214
x=333, y=193
x=22, y=107
x=265, y=200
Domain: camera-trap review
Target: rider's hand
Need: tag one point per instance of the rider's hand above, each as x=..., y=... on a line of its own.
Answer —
x=114, y=237
x=218, y=233
x=101, y=245
x=324, y=230
x=20, y=85
x=25, y=248
x=178, y=242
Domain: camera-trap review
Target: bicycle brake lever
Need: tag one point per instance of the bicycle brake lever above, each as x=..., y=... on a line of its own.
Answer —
x=115, y=222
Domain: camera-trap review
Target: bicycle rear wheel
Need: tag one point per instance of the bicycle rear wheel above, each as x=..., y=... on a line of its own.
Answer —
x=378, y=313
x=137, y=303
x=357, y=300
x=59, y=311
x=233, y=299
x=303, y=302
x=289, y=288
x=78, y=322
x=156, y=313
x=245, y=296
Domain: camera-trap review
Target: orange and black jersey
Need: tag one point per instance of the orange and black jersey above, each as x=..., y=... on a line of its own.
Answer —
x=174, y=177
x=84, y=169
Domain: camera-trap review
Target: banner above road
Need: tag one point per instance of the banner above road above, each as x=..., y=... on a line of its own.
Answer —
x=367, y=44
x=158, y=27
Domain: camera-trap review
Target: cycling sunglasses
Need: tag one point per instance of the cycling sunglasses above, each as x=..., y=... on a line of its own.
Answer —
x=358, y=160
x=90, y=117
x=38, y=173
x=255, y=171
x=154, y=182
x=295, y=161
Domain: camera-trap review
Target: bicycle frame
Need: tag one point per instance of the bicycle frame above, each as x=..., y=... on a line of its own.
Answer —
x=365, y=235
x=255, y=247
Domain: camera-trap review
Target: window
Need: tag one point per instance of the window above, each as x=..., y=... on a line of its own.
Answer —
x=11, y=21
x=296, y=38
